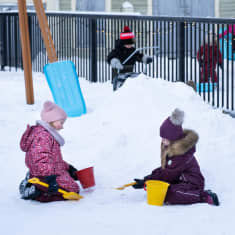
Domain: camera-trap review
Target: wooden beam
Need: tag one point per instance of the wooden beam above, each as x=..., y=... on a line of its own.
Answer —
x=45, y=30
x=25, y=45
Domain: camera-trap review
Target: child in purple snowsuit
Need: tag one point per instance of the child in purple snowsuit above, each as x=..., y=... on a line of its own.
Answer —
x=179, y=166
x=43, y=157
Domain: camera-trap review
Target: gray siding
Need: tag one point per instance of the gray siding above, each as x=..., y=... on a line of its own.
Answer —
x=227, y=8
x=65, y=5
x=196, y=8
x=90, y=5
x=139, y=6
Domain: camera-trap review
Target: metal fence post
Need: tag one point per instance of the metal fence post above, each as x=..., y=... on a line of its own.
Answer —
x=93, y=48
x=181, y=54
x=2, y=42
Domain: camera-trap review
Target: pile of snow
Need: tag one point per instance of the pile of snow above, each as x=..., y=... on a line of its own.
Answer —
x=119, y=136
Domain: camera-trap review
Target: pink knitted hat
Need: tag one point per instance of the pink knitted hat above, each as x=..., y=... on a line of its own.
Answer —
x=52, y=112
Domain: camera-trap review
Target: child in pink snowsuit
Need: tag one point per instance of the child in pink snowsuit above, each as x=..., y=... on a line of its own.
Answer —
x=42, y=144
x=179, y=166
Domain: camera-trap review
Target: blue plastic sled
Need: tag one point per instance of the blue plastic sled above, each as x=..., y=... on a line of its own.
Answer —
x=204, y=87
x=65, y=88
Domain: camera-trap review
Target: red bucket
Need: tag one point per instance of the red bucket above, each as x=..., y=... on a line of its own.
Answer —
x=86, y=177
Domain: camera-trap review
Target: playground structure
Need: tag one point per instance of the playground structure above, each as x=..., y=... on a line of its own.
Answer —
x=25, y=44
x=61, y=75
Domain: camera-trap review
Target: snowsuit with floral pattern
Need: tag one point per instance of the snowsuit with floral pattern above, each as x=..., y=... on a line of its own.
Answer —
x=44, y=158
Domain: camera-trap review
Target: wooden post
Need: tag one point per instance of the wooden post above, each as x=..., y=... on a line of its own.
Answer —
x=25, y=45
x=45, y=30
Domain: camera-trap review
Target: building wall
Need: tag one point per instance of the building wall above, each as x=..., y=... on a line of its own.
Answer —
x=14, y=1
x=195, y=8
x=227, y=8
x=13, y=4
x=52, y=5
x=140, y=6
x=91, y=5
x=65, y=5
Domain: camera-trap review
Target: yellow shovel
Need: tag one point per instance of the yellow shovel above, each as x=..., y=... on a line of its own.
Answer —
x=126, y=185
x=65, y=194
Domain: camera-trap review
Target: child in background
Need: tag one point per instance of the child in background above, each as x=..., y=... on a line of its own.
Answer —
x=231, y=30
x=42, y=144
x=208, y=55
x=179, y=167
x=124, y=47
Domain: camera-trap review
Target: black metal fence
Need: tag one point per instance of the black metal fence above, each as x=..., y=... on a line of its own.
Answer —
x=198, y=49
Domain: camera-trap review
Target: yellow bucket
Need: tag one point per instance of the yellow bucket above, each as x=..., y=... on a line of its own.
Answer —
x=156, y=192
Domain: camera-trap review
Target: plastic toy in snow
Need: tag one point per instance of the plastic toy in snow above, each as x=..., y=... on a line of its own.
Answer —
x=64, y=84
x=126, y=185
x=65, y=194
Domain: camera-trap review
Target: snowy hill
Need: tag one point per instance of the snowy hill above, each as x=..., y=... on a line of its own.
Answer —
x=119, y=136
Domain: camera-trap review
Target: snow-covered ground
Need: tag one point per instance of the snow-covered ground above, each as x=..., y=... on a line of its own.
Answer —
x=119, y=136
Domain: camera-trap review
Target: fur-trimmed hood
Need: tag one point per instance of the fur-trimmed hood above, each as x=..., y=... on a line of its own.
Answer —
x=179, y=147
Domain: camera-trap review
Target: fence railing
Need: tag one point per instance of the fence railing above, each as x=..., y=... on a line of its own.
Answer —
x=198, y=49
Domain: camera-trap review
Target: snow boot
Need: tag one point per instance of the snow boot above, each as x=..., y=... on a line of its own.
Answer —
x=212, y=198
x=24, y=184
x=27, y=190
x=31, y=192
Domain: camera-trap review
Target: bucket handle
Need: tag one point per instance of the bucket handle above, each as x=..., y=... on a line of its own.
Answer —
x=145, y=188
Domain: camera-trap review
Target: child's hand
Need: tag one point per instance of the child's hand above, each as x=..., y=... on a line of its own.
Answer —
x=53, y=186
x=72, y=172
x=139, y=184
x=116, y=64
x=147, y=59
